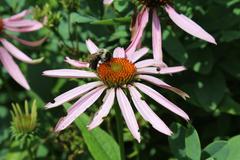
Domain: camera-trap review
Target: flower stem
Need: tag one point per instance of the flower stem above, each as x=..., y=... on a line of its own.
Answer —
x=119, y=121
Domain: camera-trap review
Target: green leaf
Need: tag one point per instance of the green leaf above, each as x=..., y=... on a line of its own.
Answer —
x=112, y=21
x=101, y=145
x=207, y=91
x=216, y=150
x=230, y=106
x=185, y=142
x=77, y=18
x=222, y=150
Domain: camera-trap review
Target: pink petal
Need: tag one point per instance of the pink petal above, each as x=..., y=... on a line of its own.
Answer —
x=35, y=27
x=134, y=56
x=142, y=19
x=119, y=53
x=157, y=38
x=72, y=94
x=146, y=112
x=69, y=73
x=20, y=23
x=164, y=85
x=77, y=64
x=188, y=25
x=79, y=107
x=145, y=63
x=170, y=70
x=128, y=114
x=107, y=2
x=19, y=54
x=161, y=100
x=29, y=43
x=164, y=70
x=148, y=70
x=13, y=68
x=19, y=15
x=92, y=48
x=104, y=109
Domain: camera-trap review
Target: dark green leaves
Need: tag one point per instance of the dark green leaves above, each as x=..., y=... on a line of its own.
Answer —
x=101, y=145
x=185, y=143
x=223, y=150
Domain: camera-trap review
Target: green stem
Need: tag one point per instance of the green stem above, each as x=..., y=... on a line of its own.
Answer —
x=119, y=121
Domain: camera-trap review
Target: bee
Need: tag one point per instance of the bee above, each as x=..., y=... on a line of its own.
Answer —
x=102, y=55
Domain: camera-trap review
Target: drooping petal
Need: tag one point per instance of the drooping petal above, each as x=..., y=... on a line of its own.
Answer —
x=92, y=48
x=164, y=85
x=119, y=53
x=104, y=109
x=79, y=107
x=35, y=27
x=28, y=43
x=20, y=23
x=72, y=94
x=157, y=38
x=69, y=73
x=18, y=16
x=107, y=2
x=134, y=56
x=19, y=54
x=171, y=70
x=13, y=68
x=161, y=100
x=146, y=112
x=188, y=25
x=128, y=114
x=142, y=20
x=77, y=64
x=164, y=70
x=146, y=63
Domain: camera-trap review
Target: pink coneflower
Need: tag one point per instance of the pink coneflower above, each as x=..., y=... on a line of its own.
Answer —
x=120, y=74
x=151, y=6
x=17, y=23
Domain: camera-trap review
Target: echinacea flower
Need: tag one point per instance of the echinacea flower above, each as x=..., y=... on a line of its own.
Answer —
x=17, y=23
x=121, y=74
x=185, y=23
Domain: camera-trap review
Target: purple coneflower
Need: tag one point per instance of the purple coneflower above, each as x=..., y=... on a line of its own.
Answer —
x=121, y=74
x=151, y=6
x=17, y=23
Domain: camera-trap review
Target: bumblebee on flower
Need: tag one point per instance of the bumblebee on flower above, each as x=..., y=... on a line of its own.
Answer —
x=115, y=76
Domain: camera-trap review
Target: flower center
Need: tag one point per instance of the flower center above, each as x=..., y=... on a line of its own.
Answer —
x=116, y=72
x=154, y=3
x=1, y=25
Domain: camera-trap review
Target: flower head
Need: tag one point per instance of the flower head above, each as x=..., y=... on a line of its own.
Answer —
x=151, y=6
x=17, y=23
x=120, y=74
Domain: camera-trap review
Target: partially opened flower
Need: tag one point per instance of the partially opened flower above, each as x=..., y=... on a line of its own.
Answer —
x=107, y=2
x=116, y=76
x=151, y=6
x=17, y=23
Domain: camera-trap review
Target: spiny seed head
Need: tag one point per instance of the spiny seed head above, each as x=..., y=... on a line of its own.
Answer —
x=154, y=3
x=116, y=72
x=24, y=122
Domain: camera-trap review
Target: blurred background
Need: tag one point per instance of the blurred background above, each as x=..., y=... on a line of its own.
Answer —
x=212, y=81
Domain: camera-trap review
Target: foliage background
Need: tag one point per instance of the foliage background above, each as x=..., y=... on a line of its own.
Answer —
x=212, y=81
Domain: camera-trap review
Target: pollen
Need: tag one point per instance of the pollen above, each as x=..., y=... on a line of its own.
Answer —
x=1, y=25
x=116, y=72
x=154, y=3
